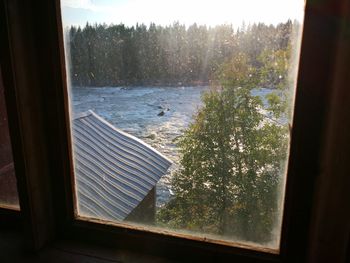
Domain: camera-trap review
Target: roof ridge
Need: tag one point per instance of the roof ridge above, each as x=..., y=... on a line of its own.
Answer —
x=83, y=114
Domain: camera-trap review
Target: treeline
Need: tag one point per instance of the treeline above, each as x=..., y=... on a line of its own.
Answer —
x=117, y=55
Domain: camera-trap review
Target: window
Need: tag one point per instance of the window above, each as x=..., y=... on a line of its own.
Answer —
x=181, y=119
x=35, y=67
x=8, y=186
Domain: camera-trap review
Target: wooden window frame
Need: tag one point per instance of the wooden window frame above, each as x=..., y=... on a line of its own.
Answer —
x=33, y=67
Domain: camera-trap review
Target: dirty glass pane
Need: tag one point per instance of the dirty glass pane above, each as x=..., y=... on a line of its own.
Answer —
x=8, y=185
x=181, y=113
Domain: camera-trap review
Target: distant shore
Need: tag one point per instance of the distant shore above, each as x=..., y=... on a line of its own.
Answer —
x=149, y=84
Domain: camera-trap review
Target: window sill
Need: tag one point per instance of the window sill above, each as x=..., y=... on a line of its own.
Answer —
x=13, y=250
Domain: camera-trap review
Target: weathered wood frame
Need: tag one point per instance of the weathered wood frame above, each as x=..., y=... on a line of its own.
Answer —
x=33, y=67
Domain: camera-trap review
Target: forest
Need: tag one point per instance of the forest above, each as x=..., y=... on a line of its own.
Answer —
x=173, y=55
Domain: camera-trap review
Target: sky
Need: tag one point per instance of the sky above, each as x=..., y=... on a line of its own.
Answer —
x=165, y=12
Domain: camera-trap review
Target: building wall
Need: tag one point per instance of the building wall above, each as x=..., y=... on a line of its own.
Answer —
x=146, y=210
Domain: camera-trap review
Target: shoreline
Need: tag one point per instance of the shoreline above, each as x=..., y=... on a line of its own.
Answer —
x=155, y=85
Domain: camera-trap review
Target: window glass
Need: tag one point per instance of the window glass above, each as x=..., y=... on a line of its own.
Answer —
x=8, y=185
x=181, y=113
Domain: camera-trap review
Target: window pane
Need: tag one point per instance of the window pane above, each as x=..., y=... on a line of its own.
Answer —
x=181, y=113
x=8, y=185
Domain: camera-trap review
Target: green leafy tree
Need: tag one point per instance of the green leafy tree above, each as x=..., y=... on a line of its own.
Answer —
x=232, y=161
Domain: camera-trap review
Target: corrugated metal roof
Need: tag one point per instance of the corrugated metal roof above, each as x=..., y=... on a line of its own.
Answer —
x=114, y=170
